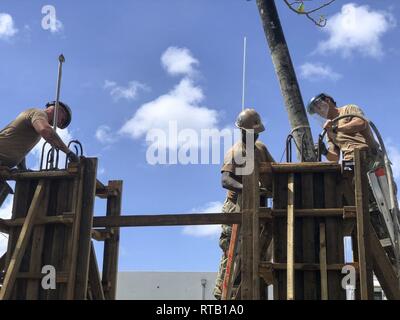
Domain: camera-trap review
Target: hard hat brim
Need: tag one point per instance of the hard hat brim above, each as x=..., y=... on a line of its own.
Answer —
x=257, y=129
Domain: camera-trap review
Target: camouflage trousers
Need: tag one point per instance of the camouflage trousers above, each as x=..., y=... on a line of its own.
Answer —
x=224, y=240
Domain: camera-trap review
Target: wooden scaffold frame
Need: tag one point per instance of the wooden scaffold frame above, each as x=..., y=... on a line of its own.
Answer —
x=314, y=206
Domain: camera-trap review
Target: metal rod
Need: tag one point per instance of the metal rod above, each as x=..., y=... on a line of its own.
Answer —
x=61, y=60
x=244, y=71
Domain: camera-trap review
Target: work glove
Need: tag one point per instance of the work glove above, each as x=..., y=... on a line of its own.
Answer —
x=72, y=157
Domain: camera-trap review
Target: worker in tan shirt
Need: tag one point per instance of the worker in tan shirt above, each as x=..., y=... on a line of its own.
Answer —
x=247, y=120
x=344, y=136
x=19, y=137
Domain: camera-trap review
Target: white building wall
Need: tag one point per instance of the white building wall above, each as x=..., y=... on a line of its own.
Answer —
x=165, y=285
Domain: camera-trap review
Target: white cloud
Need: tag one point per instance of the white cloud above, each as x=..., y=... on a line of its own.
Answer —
x=318, y=71
x=357, y=28
x=65, y=135
x=119, y=92
x=7, y=29
x=178, y=61
x=210, y=231
x=181, y=105
x=105, y=135
x=5, y=213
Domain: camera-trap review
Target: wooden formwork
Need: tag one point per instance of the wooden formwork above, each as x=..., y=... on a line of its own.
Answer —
x=314, y=206
x=52, y=225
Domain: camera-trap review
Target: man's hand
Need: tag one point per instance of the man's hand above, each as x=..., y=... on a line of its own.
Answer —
x=72, y=157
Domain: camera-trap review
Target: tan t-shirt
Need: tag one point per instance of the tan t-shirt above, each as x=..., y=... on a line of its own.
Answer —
x=19, y=137
x=347, y=142
x=261, y=152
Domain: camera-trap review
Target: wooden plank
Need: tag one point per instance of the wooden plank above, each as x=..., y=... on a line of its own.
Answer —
x=322, y=262
x=85, y=228
x=265, y=214
x=290, y=239
x=94, y=276
x=273, y=266
x=308, y=229
x=36, y=175
x=59, y=219
x=20, y=208
x=383, y=268
x=61, y=234
x=73, y=243
x=111, y=245
x=104, y=192
x=302, y=167
x=32, y=289
x=334, y=238
x=3, y=226
x=361, y=198
x=69, y=212
x=19, y=291
x=47, y=256
x=250, y=206
x=256, y=233
x=279, y=230
x=319, y=202
x=61, y=277
x=101, y=234
x=22, y=242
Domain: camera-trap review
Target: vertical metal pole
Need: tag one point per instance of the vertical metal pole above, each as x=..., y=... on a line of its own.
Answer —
x=244, y=71
x=61, y=60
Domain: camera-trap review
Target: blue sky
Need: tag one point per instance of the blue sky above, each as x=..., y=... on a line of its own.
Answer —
x=117, y=83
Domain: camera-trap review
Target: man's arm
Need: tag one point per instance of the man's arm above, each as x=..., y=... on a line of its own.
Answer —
x=230, y=183
x=333, y=153
x=47, y=132
x=355, y=125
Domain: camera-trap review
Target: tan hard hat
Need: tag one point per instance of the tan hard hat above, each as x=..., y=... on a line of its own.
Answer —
x=249, y=119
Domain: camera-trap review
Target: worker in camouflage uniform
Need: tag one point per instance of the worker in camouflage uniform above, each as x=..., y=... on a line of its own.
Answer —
x=249, y=122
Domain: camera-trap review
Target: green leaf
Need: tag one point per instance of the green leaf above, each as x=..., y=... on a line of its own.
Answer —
x=300, y=8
